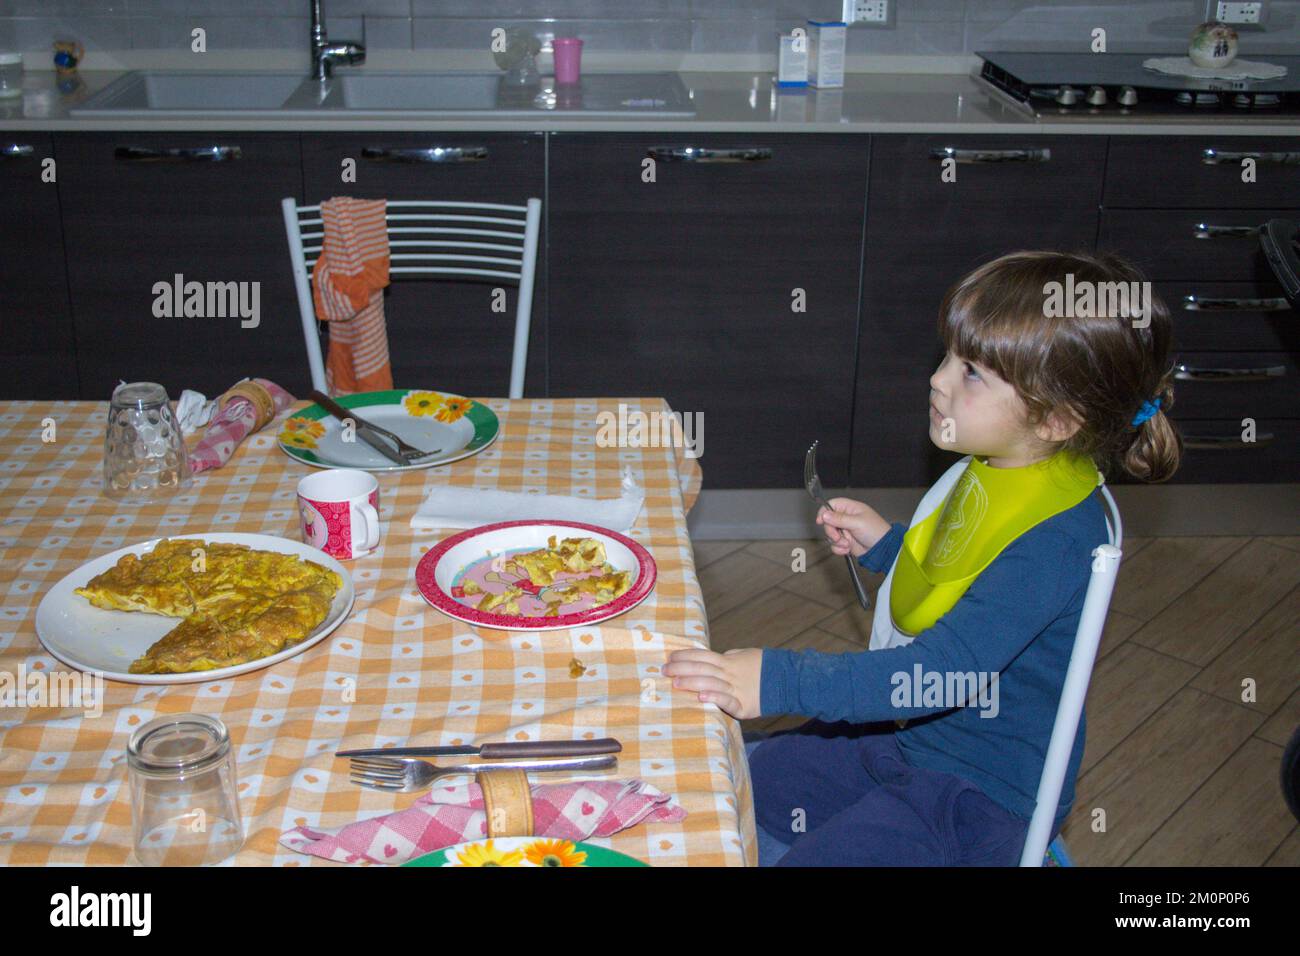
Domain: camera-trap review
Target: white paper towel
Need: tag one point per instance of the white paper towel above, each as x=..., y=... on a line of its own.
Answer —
x=470, y=507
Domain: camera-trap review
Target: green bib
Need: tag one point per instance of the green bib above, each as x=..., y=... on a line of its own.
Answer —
x=985, y=511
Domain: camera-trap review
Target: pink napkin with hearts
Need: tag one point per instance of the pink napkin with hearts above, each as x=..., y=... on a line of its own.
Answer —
x=236, y=420
x=451, y=814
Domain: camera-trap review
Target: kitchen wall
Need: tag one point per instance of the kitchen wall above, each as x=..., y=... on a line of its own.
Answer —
x=686, y=28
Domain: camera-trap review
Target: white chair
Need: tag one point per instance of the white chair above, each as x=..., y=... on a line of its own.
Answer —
x=432, y=240
x=1105, y=567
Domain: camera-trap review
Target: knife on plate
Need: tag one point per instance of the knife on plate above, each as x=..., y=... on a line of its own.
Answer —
x=499, y=751
x=362, y=427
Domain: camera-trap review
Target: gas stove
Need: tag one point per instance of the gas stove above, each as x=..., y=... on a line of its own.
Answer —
x=1103, y=85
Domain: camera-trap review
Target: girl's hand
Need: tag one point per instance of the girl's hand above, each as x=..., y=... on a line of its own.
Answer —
x=852, y=527
x=731, y=680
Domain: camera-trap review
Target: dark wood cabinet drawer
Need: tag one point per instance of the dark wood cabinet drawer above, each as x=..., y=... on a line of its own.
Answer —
x=445, y=334
x=1215, y=451
x=37, y=349
x=161, y=210
x=1235, y=385
x=1227, y=316
x=686, y=287
x=1203, y=244
x=922, y=236
x=1171, y=171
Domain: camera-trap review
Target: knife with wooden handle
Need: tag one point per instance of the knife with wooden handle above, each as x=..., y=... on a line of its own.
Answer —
x=505, y=750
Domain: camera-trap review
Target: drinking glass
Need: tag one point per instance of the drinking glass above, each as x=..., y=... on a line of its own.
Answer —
x=184, y=793
x=144, y=452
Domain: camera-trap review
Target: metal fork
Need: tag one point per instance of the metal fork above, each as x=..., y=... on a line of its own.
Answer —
x=405, y=453
x=410, y=774
x=814, y=485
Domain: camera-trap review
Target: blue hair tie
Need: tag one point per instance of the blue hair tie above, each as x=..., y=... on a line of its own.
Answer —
x=1147, y=410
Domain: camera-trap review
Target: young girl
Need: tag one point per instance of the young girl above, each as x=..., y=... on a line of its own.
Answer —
x=929, y=747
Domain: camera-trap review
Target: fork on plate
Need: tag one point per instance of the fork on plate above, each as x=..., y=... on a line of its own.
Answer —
x=410, y=774
x=372, y=434
x=814, y=485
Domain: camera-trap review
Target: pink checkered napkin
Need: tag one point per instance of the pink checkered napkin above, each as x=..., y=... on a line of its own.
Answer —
x=230, y=426
x=448, y=815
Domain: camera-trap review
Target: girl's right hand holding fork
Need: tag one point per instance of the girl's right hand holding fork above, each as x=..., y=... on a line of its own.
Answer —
x=853, y=527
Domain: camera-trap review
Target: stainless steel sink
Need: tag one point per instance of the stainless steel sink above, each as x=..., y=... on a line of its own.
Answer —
x=469, y=95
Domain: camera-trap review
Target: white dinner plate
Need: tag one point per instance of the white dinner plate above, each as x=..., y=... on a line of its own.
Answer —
x=93, y=639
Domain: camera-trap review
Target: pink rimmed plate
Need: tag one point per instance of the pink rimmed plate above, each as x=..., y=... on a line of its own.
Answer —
x=441, y=565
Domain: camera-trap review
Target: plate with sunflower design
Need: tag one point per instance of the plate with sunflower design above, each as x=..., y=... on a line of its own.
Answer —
x=524, y=851
x=457, y=425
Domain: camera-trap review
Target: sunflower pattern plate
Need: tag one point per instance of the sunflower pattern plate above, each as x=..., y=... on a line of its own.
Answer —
x=524, y=851
x=457, y=425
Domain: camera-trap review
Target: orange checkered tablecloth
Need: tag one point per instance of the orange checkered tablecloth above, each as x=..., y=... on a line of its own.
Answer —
x=419, y=676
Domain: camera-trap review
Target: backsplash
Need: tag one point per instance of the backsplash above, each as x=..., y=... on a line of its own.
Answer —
x=682, y=29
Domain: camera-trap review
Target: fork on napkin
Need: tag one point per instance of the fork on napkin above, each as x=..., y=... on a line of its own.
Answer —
x=454, y=813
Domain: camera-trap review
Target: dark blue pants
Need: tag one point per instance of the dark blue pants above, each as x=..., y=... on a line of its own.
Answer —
x=863, y=805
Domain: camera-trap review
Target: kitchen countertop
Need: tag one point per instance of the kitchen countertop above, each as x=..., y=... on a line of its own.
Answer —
x=727, y=102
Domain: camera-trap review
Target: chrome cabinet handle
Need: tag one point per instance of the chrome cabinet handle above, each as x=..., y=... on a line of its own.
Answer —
x=177, y=154
x=708, y=154
x=16, y=150
x=1032, y=155
x=1193, y=373
x=1199, y=303
x=1226, y=442
x=423, y=154
x=1215, y=157
x=1207, y=231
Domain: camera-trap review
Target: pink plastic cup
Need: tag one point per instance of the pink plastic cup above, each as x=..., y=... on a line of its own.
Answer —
x=568, y=59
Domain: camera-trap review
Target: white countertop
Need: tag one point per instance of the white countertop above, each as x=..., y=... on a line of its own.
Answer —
x=725, y=102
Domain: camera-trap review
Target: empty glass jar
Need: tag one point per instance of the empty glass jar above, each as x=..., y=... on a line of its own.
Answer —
x=144, y=451
x=184, y=792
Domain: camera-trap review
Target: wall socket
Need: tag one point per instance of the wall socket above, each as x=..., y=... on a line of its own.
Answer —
x=1237, y=14
x=871, y=13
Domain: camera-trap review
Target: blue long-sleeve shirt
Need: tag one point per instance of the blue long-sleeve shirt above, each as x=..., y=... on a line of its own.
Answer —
x=1017, y=620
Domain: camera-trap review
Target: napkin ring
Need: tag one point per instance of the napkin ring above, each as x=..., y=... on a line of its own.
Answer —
x=257, y=395
x=507, y=801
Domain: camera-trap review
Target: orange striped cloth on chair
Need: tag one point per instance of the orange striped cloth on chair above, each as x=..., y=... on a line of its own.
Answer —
x=348, y=283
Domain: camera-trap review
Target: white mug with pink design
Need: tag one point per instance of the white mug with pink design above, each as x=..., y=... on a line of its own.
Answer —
x=340, y=512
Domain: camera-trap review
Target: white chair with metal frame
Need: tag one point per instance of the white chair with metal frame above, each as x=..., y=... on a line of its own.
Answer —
x=1087, y=638
x=432, y=240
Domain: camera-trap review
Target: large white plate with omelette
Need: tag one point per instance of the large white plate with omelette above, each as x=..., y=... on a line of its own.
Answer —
x=91, y=639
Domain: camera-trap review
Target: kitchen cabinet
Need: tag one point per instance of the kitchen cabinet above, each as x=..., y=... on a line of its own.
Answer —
x=38, y=348
x=141, y=209
x=923, y=234
x=445, y=334
x=728, y=285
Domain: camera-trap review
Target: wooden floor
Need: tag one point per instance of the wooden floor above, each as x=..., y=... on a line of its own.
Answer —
x=1194, y=696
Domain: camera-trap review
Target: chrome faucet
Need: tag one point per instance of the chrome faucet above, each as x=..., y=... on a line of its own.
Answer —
x=325, y=54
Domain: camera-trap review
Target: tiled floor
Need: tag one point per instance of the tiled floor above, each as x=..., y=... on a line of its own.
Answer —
x=1194, y=696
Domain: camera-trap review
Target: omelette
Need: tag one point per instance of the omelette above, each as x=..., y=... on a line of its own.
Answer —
x=542, y=569
x=236, y=604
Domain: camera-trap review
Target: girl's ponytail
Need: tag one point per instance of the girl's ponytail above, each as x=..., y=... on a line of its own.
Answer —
x=1156, y=447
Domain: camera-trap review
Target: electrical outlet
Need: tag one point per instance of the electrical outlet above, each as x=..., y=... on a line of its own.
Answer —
x=873, y=13
x=1249, y=14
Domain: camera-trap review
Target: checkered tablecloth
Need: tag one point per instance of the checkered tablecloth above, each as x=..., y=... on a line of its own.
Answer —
x=419, y=677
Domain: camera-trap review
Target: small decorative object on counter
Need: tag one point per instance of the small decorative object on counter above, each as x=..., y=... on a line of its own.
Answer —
x=144, y=454
x=244, y=409
x=67, y=54
x=1213, y=45
x=11, y=75
x=568, y=59
x=792, y=60
x=827, y=40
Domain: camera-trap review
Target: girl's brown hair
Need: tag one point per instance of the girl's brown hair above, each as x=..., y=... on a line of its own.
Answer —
x=1099, y=367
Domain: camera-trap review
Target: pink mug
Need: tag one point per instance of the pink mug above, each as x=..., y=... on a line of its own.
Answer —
x=340, y=512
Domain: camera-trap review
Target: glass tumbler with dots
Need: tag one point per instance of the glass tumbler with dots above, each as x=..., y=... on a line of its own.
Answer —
x=144, y=451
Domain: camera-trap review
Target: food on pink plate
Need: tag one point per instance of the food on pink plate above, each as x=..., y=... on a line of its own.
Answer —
x=567, y=578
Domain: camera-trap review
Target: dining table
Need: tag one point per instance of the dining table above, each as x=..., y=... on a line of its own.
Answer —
x=397, y=672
